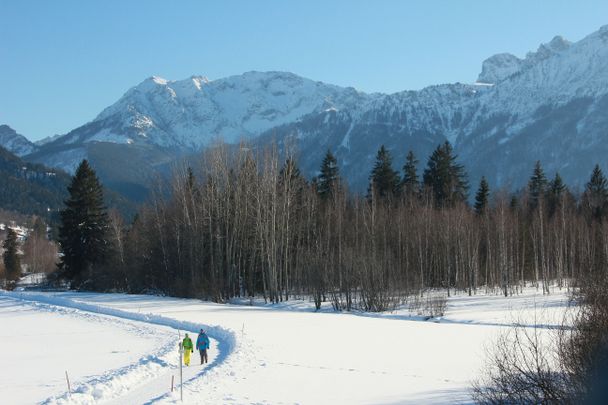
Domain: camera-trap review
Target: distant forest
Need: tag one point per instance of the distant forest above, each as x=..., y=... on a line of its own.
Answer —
x=30, y=188
x=246, y=223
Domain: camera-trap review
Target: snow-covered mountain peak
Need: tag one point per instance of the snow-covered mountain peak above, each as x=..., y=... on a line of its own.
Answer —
x=557, y=45
x=14, y=142
x=501, y=66
x=189, y=113
x=498, y=67
x=158, y=80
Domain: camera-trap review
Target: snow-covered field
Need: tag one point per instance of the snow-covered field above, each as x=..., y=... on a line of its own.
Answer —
x=123, y=349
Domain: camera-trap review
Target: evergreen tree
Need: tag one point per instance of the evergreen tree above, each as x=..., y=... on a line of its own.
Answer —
x=290, y=170
x=191, y=179
x=444, y=177
x=537, y=186
x=83, y=232
x=290, y=175
x=39, y=227
x=556, y=193
x=482, y=196
x=329, y=178
x=12, y=262
x=384, y=180
x=596, y=194
x=410, y=184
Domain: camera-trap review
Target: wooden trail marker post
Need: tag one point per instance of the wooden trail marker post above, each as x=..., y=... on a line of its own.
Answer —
x=68, y=381
x=181, y=362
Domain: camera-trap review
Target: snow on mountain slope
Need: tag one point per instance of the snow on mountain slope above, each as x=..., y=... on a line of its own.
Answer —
x=503, y=65
x=548, y=106
x=14, y=142
x=555, y=74
x=188, y=114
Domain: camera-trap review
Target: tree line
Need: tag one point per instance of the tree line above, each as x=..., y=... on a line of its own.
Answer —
x=246, y=223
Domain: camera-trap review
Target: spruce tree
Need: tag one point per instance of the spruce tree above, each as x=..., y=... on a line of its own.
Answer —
x=445, y=178
x=328, y=180
x=410, y=184
x=537, y=186
x=482, y=196
x=557, y=190
x=290, y=175
x=83, y=231
x=290, y=170
x=191, y=179
x=384, y=180
x=596, y=194
x=12, y=262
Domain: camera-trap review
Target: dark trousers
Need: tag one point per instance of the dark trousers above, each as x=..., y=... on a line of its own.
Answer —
x=203, y=356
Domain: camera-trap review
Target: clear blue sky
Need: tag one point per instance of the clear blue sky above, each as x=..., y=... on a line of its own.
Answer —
x=62, y=62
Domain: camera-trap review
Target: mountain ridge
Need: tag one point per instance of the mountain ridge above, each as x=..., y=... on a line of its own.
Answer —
x=519, y=111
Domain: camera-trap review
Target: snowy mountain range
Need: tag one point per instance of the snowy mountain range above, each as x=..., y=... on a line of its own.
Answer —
x=551, y=106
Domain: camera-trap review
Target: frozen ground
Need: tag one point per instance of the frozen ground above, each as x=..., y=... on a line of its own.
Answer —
x=265, y=354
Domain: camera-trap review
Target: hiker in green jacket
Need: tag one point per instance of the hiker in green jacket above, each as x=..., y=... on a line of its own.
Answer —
x=188, y=349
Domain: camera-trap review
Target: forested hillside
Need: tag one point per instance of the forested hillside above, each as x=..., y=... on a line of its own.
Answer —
x=30, y=188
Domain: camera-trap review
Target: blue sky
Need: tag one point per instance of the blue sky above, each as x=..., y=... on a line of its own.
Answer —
x=62, y=62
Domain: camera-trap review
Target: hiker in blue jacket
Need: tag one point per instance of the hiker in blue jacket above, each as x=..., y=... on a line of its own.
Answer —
x=202, y=344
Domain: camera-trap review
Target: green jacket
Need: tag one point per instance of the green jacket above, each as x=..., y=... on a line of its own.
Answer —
x=187, y=344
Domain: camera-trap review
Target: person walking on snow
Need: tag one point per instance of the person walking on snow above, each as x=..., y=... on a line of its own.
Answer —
x=188, y=349
x=202, y=344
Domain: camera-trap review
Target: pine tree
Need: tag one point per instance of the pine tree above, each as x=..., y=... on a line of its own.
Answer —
x=596, y=194
x=445, y=178
x=83, y=232
x=410, y=184
x=384, y=180
x=482, y=196
x=537, y=186
x=12, y=262
x=329, y=178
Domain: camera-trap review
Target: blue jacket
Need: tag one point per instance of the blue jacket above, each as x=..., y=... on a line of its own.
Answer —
x=202, y=342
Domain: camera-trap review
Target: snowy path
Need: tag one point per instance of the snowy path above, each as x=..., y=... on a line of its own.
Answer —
x=45, y=341
x=289, y=354
x=93, y=347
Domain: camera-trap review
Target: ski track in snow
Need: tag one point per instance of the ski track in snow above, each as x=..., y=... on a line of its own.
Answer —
x=125, y=382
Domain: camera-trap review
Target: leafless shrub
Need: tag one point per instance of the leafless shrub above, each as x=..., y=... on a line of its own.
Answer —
x=521, y=369
x=40, y=254
x=583, y=349
x=435, y=304
x=431, y=305
x=567, y=366
x=414, y=303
